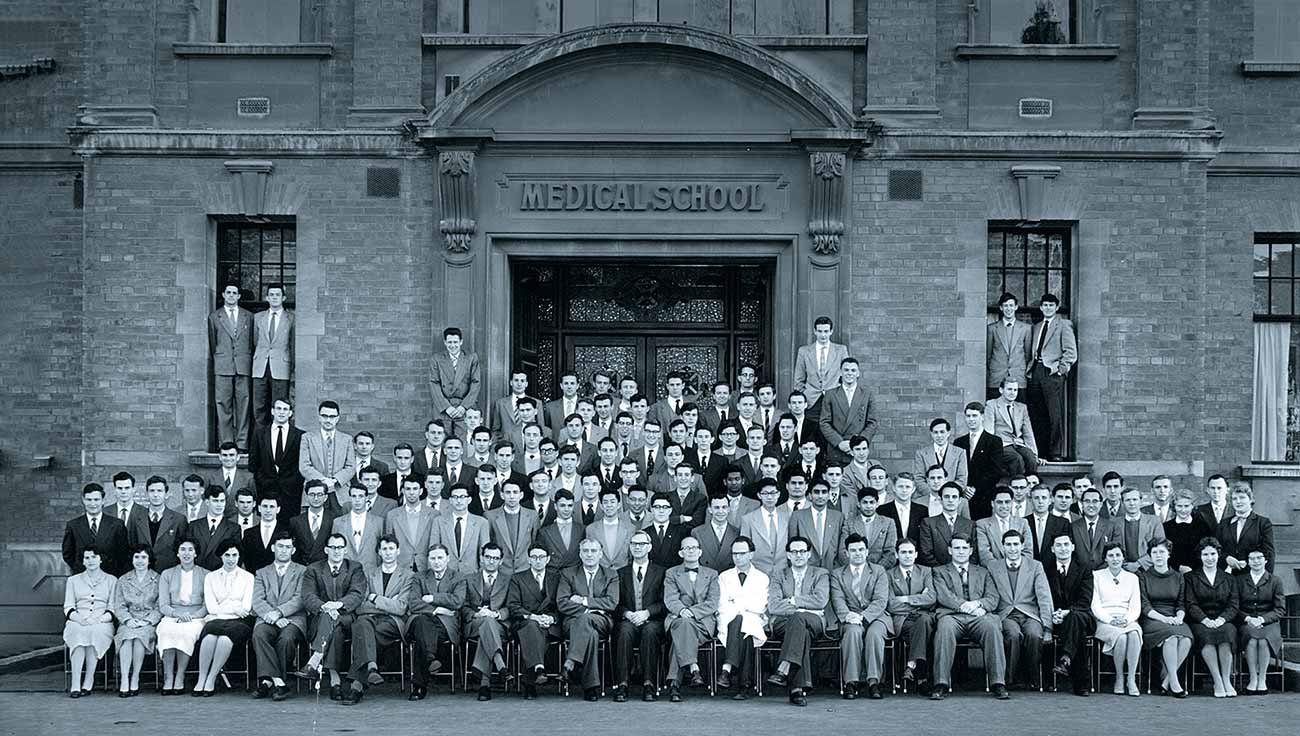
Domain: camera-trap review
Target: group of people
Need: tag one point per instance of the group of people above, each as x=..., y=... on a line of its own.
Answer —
x=657, y=529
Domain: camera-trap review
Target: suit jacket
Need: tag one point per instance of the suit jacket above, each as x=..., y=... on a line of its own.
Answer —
x=319, y=586
x=280, y=476
x=1149, y=528
x=454, y=386
x=989, y=540
x=474, y=534
x=253, y=555
x=312, y=463
x=652, y=591
x=309, y=548
x=1206, y=512
x=478, y=507
x=1059, y=349
x=1007, y=351
x=390, y=600
x=869, y=597
x=769, y=552
x=695, y=505
x=712, y=419
x=1032, y=594
x=562, y=555
x=207, y=545
x=701, y=597
x=839, y=420
x=475, y=598
x=171, y=531
x=715, y=553
x=906, y=596
x=514, y=547
x=1168, y=515
x=553, y=414
x=274, y=352
x=984, y=468
x=1041, y=546
x=713, y=471
x=503, y=419
x=449, y=593
x=614, y=546
x=413, y=533
x=948, y=589
x=935, y=535
x=881, y=534
x=813, y=597
x=136, y=513
x=1073, y=591
x=373, y=463
x=388, y=487
x=1256, y=535
x=525, y=598
x=954, y=461
x=791, y=457
x=271, y=592
x=829, y=545
x=367, y=552
x=1089, y=553
x=662, y=411
x=811, y=381
x=1009, y=420
x=602, y=596
x=748, y=468
x=665, y=550
x=918, y=514
x=231, y=344
x=110, y=539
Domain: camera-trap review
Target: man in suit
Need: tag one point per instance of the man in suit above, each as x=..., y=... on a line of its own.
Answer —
x=462, y=533
x=380, y=619
x=327, y=454
x=95, y=528
x=1053, y=354
x=879, y=533
x=561, y=537
x=1072, y=620
x=822, y=525
x=817, y=365
x=967, y=604
x=556, y=411
x=710, y=465
x=230, y=343
x=1091, y=533
x=272, y=354
x=846, y=411
x=159, y=528
x=689, y=502
x=311, y=528
x=512, y=528
x=213, y=533
x=430, y=459
x=231, y=477
x=1162, y=499
x=691, y=596
x=531, y=603
x=507, y=414
x=716, y=535
x=1009, y=420
x=281, y=621
x=989, y=530
x=454, y=379
x=1136, y=531
x=797, y=597
x=906, y=514
x=668, y=408
x=332, y=591
x=720, y=413
x=859, y=597
x=983, y=461
x=941, y=452
x=1044, y=526
x=1217, y=508
x=767, y=527
x=454, y=468
x=255, y=546
x=639, y=619
x=785, y=443
x=1026, y=608
x=612, y=529
x=665, y=536
x=911, y=610
x=363, y=447
x=486, y=617
x=125, y=509
x=360, y=529
x=586, y=599
x=411, y=524
x=436, y=599
x=1006, y=347
x=937, y=531
x=273, y=458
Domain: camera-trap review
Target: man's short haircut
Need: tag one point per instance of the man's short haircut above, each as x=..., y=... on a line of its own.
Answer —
x=824, y=320
x=363, y=433
x=974, y=406
x=940, y=420
x=327, y=404
x=452, y=331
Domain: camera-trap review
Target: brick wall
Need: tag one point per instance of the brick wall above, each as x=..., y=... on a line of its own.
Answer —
x=1251, y=111
x=40, y=106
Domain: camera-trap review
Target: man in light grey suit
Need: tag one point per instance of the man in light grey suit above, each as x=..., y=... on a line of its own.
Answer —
x=941, y=452
x=272, y=354
x=281, y=620
x=454, y=380
x=1136, y=531
x=462, y=533
x=230, y=343
x=512, y=528
x=1006, y=348
x=1026, y=610
x=967, y=604
x=1009, y=420
x=1054, y=351
x=691, y=597
x=412, y=525
x=859, y=596
x=989, y=530
x=362, y=530
x=846, y=412
x=326, y=455
x=797, y=598
x=817, y=365
x=768, y=528
x=878, y=532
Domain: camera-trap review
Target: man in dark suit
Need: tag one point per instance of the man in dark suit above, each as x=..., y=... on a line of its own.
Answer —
x=967, y=603
x=160, y=528
x=721, y=412
x=213, y=533
x=273, y=457
x=904, y=487
x=639, y=618
x=1092, y=533
x=124, y=508
x=390, y=484
x=785, y=444
x=255, y=546
x=586, y=598
x=561, y=537
x=530, y=601
x=230, y=343
x=437, y=596
x=454, y=379
x=938, y=531
x=665, y=536
x=846, y=411
x=716, y=535
x=96, y=528
x=506, y=415
x=429, y=458
x=312, y=527
x=332, y=591
x=911, y=610
x=1072, y=619
x=1218, y=508
x=1054, y=352
x=710, y=465
x=1044, y=526
x=797, y=597
x=485, y=616
x=983, y=461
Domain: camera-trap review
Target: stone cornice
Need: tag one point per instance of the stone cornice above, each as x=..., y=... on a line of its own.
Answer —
x=516, y=40
x=1055, y=145
x=295, y=144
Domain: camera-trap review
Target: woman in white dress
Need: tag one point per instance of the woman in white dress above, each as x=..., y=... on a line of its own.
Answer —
x=1117, y=606
x=88, y=615
x=180, y=600
x=228, y=595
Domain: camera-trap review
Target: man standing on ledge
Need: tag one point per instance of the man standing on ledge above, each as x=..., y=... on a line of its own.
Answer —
x=817, y=365
x=230, y=343
x=272, y=355
x=454, y=379
x=846, y=412
x=1054, y=353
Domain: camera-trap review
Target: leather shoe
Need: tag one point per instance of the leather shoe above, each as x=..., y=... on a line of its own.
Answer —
x=417, y=693
x=873, y=691
x=434, y=667
x=353, y=697
x=540, y=678
x=307, y=673
x=336, y=692
x=649, y=694
x=591, y=694
x=620, y=694
x=1062, y=667
x=484, y=694
x=778, y=679
x=1000, y=692
x=724, y=680
x=374, y=678
x=939, y=692
x=263, y=690
x=209, y=693
x=1083, y=692
x=850, y=691
x=697, y=679
x=674, y=693
x=741, y=694
x=530, y=692
x=280, y=693
x=909, y=674
x=798, y=698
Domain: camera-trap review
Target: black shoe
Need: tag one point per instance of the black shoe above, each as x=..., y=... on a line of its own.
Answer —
x=209, y=693
x=127, y=693
x=649, y=693
x=850, y=691
x=939, y=692
x=417, y=693
x=263, y=690
x=540, y=678
x=280, y=694
x=724, y=680
x=873, y=691
x=741, y=694
x=798, y=698
x=620, y=694
x=909, y=675
x=135, y=692
x=74, y=694
x=374, y=678
x=530, y=692
x=674, y=693
x=353, y=697
x=1183, y=693
x=1000, y=692
x=1083, y=692
x=697, y=679
x=336, y=692
x=778, y=679
x=591, y=694
x=484, y=693
x=307, y=673
x=1062, y=667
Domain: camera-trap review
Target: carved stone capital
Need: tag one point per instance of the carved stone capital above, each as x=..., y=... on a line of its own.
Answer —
x=1031, y=181
x=252, y=179
x=826, y=208
x=456, y=194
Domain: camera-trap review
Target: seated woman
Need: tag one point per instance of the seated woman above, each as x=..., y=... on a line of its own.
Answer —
x=1163, y=614
x=1211, y=609
x=136, y=608
x=1117, y=606
x=180, y=601
x=228, y=595
x=87, y=609
x=1259, y=631
x=1184, y=531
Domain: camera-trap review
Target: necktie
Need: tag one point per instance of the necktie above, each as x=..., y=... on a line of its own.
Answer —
x=279, y=444
x=623, y=449
x=539, y=580
x=155, y=517
x=1042, y=340
x=1061, y=570
x=487, y=589
x=660, y=532
x=677, y=406
x=94, y=527
x=857, y=577
x=271, y=330
x=212, y=527
x=334, y=572
x=541, y=514
x=742, y=577
x=965, y=585
x=230, y=482
x=329, y=454
x=315, y=523
x=1092, y=531
x=459, y=533
x=785, y=448
x=640, y=574
x=769, y=523
x=609, y=477
x=650, y=462
x=907, y=579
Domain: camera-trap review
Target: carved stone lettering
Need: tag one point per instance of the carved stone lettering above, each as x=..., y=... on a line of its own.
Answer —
x=623, y=196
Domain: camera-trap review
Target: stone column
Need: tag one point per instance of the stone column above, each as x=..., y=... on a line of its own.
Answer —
x=1173, y=50
x=118, y=42
x=901, y=64
x=386, y=63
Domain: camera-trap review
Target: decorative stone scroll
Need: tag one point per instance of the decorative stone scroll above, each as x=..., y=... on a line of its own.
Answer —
x=252, y=179
x=456, y=195
x=1031, y=182
x=826, y=209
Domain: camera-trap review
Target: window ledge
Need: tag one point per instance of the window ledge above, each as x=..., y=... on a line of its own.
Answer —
x=320, y=50
x=1270, y=68
x=199, y=459
x=1014, y=51
x=1265, y=469
x=516, y=40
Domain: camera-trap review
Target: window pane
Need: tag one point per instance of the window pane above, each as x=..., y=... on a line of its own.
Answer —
x=995, y=288
x=271, y=245
x=1015, y=250
x=1008, y=20
x=1056, y=252
x=1282, y=255
x=1281, y=297
x=1261, y=296
x=995, y=250
x=228, y=273
x=1056, y=285
x=228, y=245
x=1036, y=245
x=251, y=247
x=1261, y=259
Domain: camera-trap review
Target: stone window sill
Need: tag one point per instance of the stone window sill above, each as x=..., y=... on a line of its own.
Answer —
x=1038, y=51
x=1270, y=68
x=319, y=50
x=1261, y=469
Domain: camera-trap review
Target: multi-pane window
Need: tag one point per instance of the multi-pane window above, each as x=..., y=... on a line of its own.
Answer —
x=1029, y=262
x=254, y=255
x=1277, y=285
x=1275, y=416
x=1031, y=21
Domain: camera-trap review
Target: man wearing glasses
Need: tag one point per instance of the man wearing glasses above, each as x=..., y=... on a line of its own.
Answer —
x=326, y=454
x=665, y=537
x=536, y=620
x=586, y=597
x=485, y=616
x=691, y=595
x=640, y=618
x=332, y=590
x=796, y=602
x=767, y=526
x=462, y=533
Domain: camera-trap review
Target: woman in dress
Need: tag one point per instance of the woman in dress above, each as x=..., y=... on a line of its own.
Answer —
x=136, y=608
x=1211, y=610
x=1117, y=606
x=1259, y=631
x=1163, y=615
x=88, y=627
x=180, y=600
x=228, y=595
x=1184, y=531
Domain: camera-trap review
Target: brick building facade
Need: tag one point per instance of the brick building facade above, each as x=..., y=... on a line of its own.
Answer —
x=889, y=141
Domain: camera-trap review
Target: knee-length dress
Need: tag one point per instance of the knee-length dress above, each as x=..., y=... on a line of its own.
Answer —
x=1114, y=595
x=180, y=592
x=137, y=601
x=1211, y=600
x=1264, y=598
x=1162, y=593
x=89, y=597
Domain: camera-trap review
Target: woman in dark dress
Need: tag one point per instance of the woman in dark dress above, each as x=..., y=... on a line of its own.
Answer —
x=1211, y=610
x=1184, y=531
x=1162, y=615
x=1259, y=631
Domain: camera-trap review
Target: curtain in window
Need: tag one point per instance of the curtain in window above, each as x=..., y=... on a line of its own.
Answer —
x=1268, y=416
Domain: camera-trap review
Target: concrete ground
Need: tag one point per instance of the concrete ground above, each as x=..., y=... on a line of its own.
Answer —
x=35, y=705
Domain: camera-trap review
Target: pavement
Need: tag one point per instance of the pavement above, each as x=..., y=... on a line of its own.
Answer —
x=35, y=704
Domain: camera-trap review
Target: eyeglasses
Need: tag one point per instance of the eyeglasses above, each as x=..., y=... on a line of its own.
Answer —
x=542, y=556
x=335, y=547
x=493, y=558
x=641, y=544
x=661, y=507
